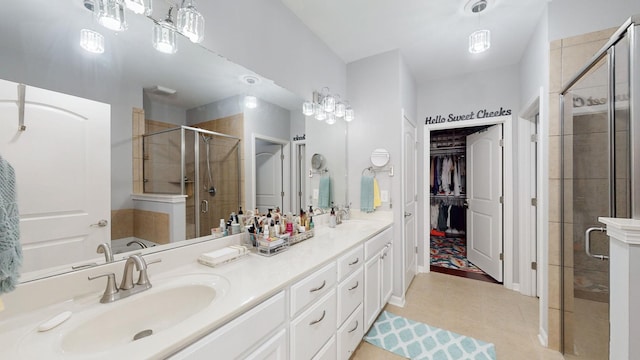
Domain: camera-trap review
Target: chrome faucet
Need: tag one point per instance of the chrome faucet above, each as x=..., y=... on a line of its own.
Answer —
x=106, y=249
x=127, y=287
x=138, y=242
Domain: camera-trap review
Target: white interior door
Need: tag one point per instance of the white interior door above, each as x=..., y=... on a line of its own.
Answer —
x=484, y=191
x=61, y=193
x=410, y=197
x=269, y=176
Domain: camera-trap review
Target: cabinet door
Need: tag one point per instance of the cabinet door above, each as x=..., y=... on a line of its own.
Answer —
x=313, y=328
x=372, y=290
x=387, y=273
x=329, y=351
x=274, y=349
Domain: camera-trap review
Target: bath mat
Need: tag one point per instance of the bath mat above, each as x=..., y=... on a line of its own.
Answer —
x=451, y=253
x=415, y=340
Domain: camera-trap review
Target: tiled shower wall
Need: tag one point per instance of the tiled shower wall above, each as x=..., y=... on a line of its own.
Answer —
x=567, y=57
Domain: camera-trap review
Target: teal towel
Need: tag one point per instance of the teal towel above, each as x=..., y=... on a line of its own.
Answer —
x=324, y=192
x=10, y=249
x=366, y=194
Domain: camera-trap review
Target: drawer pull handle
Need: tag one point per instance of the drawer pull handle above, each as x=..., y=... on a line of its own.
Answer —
x=324, y=282
x=357, y=260
x=324, y=312
x=354, y=329
x=355, y=286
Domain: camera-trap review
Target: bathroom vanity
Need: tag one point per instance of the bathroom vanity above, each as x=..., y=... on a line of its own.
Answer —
x=313, y=301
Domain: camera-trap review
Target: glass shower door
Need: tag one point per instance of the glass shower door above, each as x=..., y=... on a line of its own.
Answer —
x=595, y=184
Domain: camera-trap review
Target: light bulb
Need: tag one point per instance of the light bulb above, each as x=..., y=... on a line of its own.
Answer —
x=110, y=14
x=479, y=41
x=250, y=102
x=340, y=109
x=331, y=119
x=139, y=6
x=191, y=22
x=319, y=112
x=329, y=103
x=92, y=41
x=349, y=114
x=307, y=108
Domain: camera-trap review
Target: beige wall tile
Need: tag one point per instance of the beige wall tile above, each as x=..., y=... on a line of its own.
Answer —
x=554, y=114
x=554, y=246
x=555, y=70
x=569, y=246
x=568, y=294
x=121, y=223
x=569, y=334
x=555, y=44
x=554, y=331
x=554, y=200
x=554, y=286
x=576, y=57
x=602, y=36
x=554, y=157
x=162, y=228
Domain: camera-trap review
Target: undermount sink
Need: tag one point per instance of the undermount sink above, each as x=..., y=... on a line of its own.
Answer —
x=143, y=314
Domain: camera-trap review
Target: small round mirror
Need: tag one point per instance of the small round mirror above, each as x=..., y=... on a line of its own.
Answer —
x=380, y=157
x=317, y=161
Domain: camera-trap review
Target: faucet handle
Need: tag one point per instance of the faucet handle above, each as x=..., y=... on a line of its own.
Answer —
x=111, y=290
x=143, y=278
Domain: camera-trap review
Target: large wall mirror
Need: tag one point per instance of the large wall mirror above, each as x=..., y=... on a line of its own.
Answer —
x=163, y=108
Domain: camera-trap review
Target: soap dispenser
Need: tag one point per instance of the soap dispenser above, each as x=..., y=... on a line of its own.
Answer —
x=332, y=218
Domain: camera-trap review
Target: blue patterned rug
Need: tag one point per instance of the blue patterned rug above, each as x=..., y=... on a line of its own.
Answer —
x=415, y=340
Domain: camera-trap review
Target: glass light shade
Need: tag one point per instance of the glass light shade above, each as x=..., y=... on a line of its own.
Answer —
x=329, y=103
x=250, y=102
x=479, y=41
x=110, y=14
x=191, y=22
x=307, y=108
x=92, y=41
x=139, y=6
x=349, y=114
x=319, y=112
x=331, y=119
x=340, y=109
x=164, y=37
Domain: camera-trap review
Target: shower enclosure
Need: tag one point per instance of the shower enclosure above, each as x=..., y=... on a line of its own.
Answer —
x=203, y=165
x=599, y=166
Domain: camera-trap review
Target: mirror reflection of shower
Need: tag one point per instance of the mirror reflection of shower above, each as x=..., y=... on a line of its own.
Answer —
x=209, y=188
x=203, y=165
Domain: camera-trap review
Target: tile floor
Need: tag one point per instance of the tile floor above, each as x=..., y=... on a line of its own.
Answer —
x=474, y=308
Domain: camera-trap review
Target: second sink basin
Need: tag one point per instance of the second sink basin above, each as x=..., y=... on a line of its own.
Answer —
x=143, y=314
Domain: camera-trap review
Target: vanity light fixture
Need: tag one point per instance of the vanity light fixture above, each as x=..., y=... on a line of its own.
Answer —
x=479, y=41
x=110, y=14
x=327, y=106
x=190, y=21
x=92, y=41
x=164, y=35
x=139, y=6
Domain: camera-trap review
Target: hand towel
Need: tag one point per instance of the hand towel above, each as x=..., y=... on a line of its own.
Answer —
x=376, y=194
x=366, y=194
x=10, y=248
x=324, y=192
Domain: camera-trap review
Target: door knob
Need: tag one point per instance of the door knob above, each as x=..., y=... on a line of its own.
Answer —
x=101, y=223
x=407, y=214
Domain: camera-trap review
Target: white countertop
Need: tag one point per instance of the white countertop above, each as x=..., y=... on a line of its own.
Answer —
x=251, y=279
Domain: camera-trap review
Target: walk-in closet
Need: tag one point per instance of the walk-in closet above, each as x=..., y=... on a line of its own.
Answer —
x=448, y=190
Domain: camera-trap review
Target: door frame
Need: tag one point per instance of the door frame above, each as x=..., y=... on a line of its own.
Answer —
x=508, y=185
x=295, y=171
x=286, y=169
x=403, y=190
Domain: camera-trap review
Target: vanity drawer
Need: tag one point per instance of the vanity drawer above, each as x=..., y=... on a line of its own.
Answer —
x=349, y=262
x=233, y=339
x=350, y=334
x=305, y=291
x=329, y=351
x=350, y=295
x=375, y=244
x=311, y=330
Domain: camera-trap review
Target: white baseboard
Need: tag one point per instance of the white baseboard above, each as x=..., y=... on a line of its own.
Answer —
x=396, y=301
x=543, y=337
x=423, y=269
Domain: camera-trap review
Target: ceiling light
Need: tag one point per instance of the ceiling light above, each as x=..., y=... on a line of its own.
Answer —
x=139, y=6
x=110, y=14
x=250, y=102
x=340, y=109
x=190, y=21
x=479, y=41
x=319, y=112
x=349, y=114
x=479, y=6
x=92, y=41
x=307, y=108
x=162, y=90
x=331, y=119
x=164, y=35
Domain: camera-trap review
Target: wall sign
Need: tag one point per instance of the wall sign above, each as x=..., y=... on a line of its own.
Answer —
x=300, y=137
x=480, y=114
x=579, y=101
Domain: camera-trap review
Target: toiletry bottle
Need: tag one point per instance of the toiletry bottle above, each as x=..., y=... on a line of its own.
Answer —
x=222, y=227
x=272, y=229
x=311, y=224
x=332, y=218
x=265, y=231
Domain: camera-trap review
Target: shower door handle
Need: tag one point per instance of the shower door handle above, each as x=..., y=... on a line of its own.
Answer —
x=204, y=206
x=587, y=243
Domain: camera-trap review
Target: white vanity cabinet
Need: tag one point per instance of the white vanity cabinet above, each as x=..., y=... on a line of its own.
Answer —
x=378, y=275
x=257, y=334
